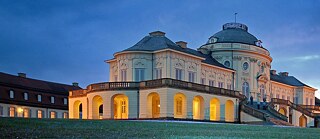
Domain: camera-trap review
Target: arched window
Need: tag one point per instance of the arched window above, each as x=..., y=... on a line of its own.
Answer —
x=262, y=91
x=179, y=106
x=245, y=89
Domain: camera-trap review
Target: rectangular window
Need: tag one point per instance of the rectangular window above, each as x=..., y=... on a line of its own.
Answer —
x=25, y=96
x=26, y=113
x=283, y=97
x=65, y=101
x=179, y=74
x=11, y=94
x=229, y=86
x=40, y=114
x=307, y=102
x=158, y=73
x=220, y=84
x=12, y=112
x=203, y=81
x=139, y=74
x=288, y=98
x=1, y=111
x=311, y=101
x=123, y=75
x=296, y=100
x=52, y=100
x=65, y=115
x=211, y=82
x=52, y=114
x=192, y=76
x=115, y=78
x=278, y=95
x=39, y=98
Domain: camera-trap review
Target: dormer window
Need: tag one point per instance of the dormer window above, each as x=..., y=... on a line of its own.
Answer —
x=227, y=64
x=213, y=40
x=259, y=43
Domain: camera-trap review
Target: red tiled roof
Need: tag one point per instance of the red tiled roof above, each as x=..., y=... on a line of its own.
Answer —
x=34, y=84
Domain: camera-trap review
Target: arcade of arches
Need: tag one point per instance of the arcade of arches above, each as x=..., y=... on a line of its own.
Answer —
x=197, y=107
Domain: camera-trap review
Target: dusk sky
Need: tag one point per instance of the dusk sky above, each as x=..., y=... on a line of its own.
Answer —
x=67, y=41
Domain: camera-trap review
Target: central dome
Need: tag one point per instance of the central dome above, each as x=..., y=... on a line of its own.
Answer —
x=234, y=33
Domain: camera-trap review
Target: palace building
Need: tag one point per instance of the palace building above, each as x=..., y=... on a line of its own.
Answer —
x=30, y=98
x=228, y=79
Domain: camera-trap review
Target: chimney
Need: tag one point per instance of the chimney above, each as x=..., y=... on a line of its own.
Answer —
x=23, y=75
x=273, y=72
x=284, y=73
x=75, y=84
x=157, y=33
x=182, y=44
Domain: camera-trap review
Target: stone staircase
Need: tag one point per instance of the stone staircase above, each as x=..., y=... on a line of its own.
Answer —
x=266, y=113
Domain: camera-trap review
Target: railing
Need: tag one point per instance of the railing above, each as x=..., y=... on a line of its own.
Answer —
x=276, y=113
x=294, y=106
x=112, y=86
x=311, y=107
x=78, y=92
x=253, y=112
x=165, y=82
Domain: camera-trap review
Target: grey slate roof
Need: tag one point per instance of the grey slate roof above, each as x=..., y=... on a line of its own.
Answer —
x=289, y=80
x=159, y=42
x=234, y=35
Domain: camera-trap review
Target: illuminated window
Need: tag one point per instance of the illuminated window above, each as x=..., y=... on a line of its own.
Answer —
x=40, y=114
x=139, y=74
x=65, y=101
x=179, y=74
x=123, y=106
x=65, y=115
x=26, y=113
x=25, y=96
x=123, y=75
x=192, y=76
x=11, y=93
x=52, y=100
x=158, y=73
x=52, y=114
x=12, y=112
x=179, y=106
x=39, y=98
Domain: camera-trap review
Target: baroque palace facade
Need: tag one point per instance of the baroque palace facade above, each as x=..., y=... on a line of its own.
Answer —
x=157, y=78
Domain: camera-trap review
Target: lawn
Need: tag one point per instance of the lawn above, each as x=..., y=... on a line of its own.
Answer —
x=62, y=128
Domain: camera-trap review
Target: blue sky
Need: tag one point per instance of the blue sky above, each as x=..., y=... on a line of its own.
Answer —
x=67, y=41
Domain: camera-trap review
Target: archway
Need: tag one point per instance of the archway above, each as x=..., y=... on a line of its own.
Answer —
x=179, y=105
x=154, y=105
x=198, y=108
x=120, y=106
x=303, y=121
x=229, y=111
x=97, y=102
x=214, y=109
x=77, y=109
x=282, y=111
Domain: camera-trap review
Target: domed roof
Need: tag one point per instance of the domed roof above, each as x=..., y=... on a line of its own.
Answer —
x=234, y=33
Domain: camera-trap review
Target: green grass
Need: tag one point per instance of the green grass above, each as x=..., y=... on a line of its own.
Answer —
x=61, y=128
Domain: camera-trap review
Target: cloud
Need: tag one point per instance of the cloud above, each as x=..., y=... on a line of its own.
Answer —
x=306, y=58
